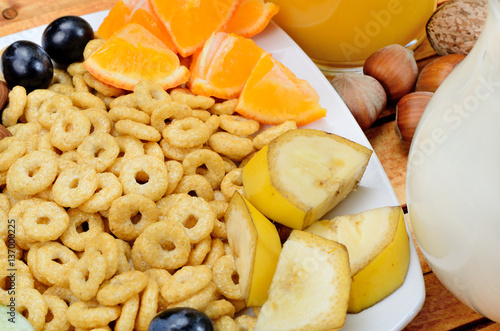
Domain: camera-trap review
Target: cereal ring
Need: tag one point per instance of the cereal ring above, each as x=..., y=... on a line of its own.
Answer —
x=89, y=314
x=79, y=84
x=245, y=322
x=150, y=95
x=183, y=95
x=15, y=107
x=198, y=300
x=199, y=252
x=130, y=214
x=81, y=229
x=127, y=100
x=129, y=147
x=87, y=275
x=127, y=113
x=126, y=321
x=45, y=221
x=138, y=262
x=186, y=282
x=32, y=173
x=99, y=150
x=34, y=101
x=232, y=182
x=17, y=213
x=155, y=172
x=175, y=153
x=3, y=178
x=103, y=88
x=175, y=172
x=149, y=306
x=108, y=189
x=212, y=123
x=226, y=107
x=153, y=149
x=216, y=252
x=11, y=149
x=22, y=276
x=85, y=100
x=4, y=224
x=196, y=184
x=74, y=186
x=167, y=112
x=206, y=163
x=195, y=215
x=138, y=130
x=47, y=258
x=239, y=305
x=44, y=144
x=266, y=136
x=4, y=202
x=121, y=288
x=24, y=130
x=225, y=323
x=31, y=260
x=57, y=311
x=224, y=270
x=186, y=133
x=219, y=230
x=62, y=292
x=201, y=114
x=165, y=203
x=53, y=107
x=31, y=303
x=124, y=255
x=164, y=245
x=107, y=245
x=234, y=147
x=160, y=276
x=91, y=47
x=67, y=159
x=61, y=89
x=69, y=130
x=76, y=68
x=238, y=125
x=99, y=120
x=218, y=308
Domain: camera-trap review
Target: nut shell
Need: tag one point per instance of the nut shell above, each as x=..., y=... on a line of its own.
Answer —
x=455, y=26
x=435, y=72
x=409, y=110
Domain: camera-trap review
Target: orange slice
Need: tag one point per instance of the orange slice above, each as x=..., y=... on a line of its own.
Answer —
x=134, y=54
x=251, y=17
x=223, y=66
x=191, y=22
x=134, y=11
x=273, y=95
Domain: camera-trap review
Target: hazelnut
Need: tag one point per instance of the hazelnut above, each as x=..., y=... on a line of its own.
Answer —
x=363, y=95
x=4, y=132
x=434, y=73
x=395, y=68
x=408, y=112
x=4, y=95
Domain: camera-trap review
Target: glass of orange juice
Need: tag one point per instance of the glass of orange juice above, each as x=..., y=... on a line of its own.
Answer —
x=338, y=35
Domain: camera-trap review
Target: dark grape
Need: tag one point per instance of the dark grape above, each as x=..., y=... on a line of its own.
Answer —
x=181, y=319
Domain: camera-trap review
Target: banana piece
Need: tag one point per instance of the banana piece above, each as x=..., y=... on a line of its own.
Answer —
x=379, y=252
x=255, y=245
x=303, y=174
x=310, y=288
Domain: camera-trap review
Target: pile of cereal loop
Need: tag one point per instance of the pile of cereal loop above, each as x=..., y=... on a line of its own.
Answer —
x=112, y=204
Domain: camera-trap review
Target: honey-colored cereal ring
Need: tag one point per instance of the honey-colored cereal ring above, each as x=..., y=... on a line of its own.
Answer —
x=195, y=215
x=69, y=130
x=175, y=153
x=152, y=148
x=156, y=181
x=201, y=114
x=126, y=321
x=31, y=301
x=218, y=308
x=213, y=170
x=4, y=202
x=129, y=147
x=165, y=203
x=16, y=213
x=21, y=278
x=61, y=76
x=76, y=68
x=99, y=150
x=238, y=125
x=79, y=84
x=212, y=123
x=234, y=147
x=216, y=252
x=149, y=306
x=32, y=263
x=199, y=300
x=197, y=184
x=155, y=237
x=89, y=314
x=124, y=255
x=127, y=100
x=150, y=95
x=223, y=272
x=44, y=144
x=85, y=100
x=138, y=130
x=62, y=292
x=99, y=120
x=11, y=149
x=184, y=95
x=87, y=275
x=130, y=214
x=138, y=262
x=199, y=252
x=34, y=101
x=45, y=221
x=32, y=173
x=61, y=89
x=4, y=225
x=75, y=185
x=101, y=87
x=81, y=229
x=266, y=136
x=127, y=113
x=53, y=107
x=225, y=323
x=122, y=287
x=56, y=273
x=108, y=246
x=167, y=112
x=15, y=106
x=186, y=282
x=24, y=130
x=57, y=311
x=108, y=189
x=175, y=173
x=92, y=46
x=226, y=107
x=186, y=133
x=232, y=182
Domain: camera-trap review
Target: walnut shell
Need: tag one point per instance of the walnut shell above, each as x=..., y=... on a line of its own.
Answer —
x=455, y=26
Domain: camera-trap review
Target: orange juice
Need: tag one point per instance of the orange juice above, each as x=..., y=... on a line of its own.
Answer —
x=343, y=33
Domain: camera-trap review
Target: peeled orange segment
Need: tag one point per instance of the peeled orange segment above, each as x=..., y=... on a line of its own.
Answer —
x=134, y=11
x=132, y=55
x=224, y=65
x=251, y=17
x=191, y=22
x=273, y=95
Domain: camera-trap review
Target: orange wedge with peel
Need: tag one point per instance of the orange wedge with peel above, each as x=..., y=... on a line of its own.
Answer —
x=191, y=22
x=223, y=66
x=134, y=54
x=251, y=17
x=134, y=11
x=273, y=95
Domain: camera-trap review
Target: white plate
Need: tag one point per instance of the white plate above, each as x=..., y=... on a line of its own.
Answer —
x=374, y=190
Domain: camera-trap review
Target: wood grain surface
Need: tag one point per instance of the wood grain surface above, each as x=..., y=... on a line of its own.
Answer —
x=441, y=310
